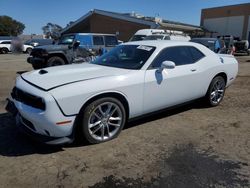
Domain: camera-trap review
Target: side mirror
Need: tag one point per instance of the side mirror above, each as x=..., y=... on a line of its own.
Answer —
x=76, y=44
x=167, y=65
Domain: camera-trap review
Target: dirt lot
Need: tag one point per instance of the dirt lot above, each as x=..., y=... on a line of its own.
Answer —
x=191, y=146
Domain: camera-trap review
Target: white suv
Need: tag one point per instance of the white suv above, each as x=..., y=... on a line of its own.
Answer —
x=5, y=47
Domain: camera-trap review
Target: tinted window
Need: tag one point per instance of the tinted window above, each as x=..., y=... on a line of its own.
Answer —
x=126, y=56
x=6, y=42
x=180, y=55
x=196, y=54
x=110, y=41
x=98, y=40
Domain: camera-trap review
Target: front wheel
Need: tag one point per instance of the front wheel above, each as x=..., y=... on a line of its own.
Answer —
x=55, y=61
x=4, y=50
x=216, y=91
x=103, y=120
x=28, y=50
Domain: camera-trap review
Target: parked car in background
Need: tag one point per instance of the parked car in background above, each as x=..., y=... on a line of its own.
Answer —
x=142, y=33
x=96, y=99
x=167, y=37
x=39, y=42
x=6, y=46
x=159, y=34
x=214, y=44
x=72, y=48
x=242, y=47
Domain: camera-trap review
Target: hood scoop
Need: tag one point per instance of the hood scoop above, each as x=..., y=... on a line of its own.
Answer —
x=42, y=71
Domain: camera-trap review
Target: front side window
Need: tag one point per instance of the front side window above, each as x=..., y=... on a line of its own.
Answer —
x=66, y=39
x=98, y=40
x=126, y=56
x=85, y=40
x=180, y=55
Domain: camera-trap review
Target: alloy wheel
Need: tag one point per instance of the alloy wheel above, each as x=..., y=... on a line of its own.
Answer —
x=217, y=91
x=105, y=121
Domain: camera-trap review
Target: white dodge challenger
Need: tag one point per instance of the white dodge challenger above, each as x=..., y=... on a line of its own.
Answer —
x=96, y=99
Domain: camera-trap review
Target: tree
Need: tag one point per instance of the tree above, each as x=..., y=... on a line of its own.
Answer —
x=52, y=31
x=10, y=27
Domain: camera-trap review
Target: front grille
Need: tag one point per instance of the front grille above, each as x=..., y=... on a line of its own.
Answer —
x=28, y=99
x=37, y=52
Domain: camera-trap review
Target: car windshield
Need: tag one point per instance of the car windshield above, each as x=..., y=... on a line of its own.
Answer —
x=154, y=37
x=126, y=56
x=137, y=37
x=28, y=42
x=66, y=39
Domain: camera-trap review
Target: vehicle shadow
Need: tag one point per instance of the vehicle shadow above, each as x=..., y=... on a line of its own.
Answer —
x=197, y=104
x=13, y=143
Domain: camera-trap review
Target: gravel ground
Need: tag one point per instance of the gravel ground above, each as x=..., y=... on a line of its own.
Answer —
x=192, y=146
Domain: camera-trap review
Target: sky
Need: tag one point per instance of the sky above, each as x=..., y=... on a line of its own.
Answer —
x=37, y=13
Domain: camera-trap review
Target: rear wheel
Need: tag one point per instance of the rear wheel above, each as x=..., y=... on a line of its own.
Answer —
x=103, y=120
x=216, y=91
x=55, y=61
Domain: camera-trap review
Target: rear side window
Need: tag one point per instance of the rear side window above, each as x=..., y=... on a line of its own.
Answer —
x=110, y=41
x=180, y=55
x=196, y=54
x=98, y=40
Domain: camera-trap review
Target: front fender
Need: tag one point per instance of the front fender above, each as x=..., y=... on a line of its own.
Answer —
x=72, y=97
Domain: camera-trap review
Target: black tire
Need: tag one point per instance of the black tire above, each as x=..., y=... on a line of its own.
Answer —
x=88, y=114
x=4, y=50
x=36, y=66
x=55, y=61
x=28, y=50
x=215, y=96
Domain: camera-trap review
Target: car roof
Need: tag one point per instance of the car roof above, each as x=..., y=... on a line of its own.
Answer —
x=5, y=40
x=204, y=39
x=102, y=34
x=162, y=43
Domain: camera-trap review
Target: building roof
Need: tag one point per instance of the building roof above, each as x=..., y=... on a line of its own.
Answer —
x=149, y=21
x=228, y=6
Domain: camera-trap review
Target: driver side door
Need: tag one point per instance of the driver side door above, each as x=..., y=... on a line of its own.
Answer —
x=171, y=87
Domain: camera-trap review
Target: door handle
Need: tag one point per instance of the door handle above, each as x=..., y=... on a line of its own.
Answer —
x=193, y=70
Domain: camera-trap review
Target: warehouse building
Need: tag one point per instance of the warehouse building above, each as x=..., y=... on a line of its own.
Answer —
x=228, y=20
x=125, y=24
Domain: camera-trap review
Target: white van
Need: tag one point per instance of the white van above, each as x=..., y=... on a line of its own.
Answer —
x=159, y=34
x=168, y=37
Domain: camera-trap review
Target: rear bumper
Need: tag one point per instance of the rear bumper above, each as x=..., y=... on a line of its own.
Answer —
x=28, y=128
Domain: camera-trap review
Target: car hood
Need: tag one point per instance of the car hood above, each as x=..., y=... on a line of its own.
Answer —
x=53, y=77
x=52, y=47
